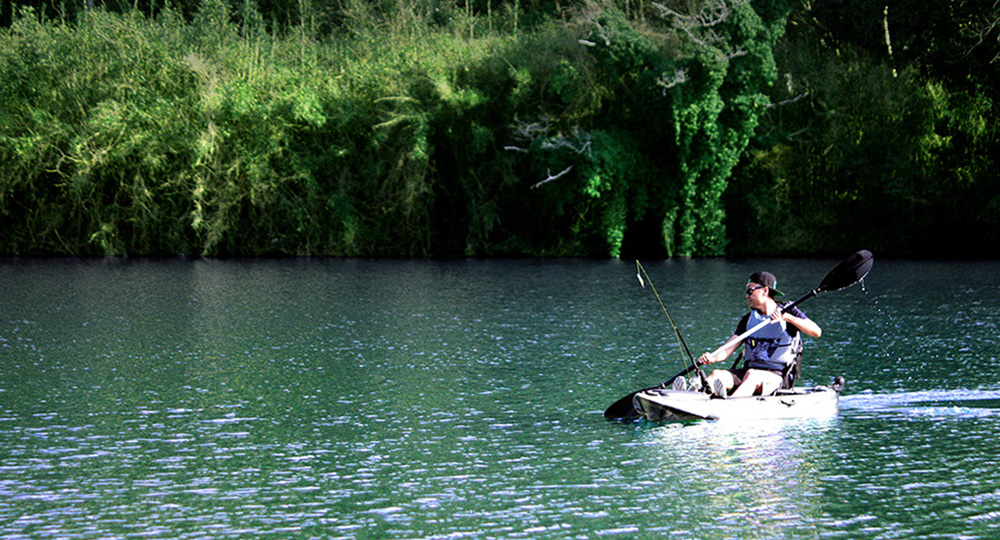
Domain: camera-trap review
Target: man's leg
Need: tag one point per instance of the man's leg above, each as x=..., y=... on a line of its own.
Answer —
x=758, y=381
x=724, y=375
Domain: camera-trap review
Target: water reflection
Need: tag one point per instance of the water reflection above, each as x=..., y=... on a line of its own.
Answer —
x=758, y=477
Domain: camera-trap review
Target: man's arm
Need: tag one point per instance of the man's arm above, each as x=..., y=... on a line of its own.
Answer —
x=723, y=352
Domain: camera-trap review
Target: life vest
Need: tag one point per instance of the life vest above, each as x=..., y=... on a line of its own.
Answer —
x=773, y=347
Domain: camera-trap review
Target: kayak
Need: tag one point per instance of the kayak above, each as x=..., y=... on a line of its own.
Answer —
x=659, y=404
x=665, y=405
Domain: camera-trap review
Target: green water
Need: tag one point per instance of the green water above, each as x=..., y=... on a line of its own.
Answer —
x=464, y=399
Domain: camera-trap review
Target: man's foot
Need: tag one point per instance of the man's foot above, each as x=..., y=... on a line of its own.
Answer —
x=719, y=388
x=680, y=384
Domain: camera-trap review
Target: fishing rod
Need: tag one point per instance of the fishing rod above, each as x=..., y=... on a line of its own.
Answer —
x=640, y=271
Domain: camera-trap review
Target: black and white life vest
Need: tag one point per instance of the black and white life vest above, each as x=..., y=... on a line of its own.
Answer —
x=773, y=347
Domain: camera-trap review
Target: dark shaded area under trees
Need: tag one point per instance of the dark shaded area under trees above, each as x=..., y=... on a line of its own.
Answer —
x=499, y=128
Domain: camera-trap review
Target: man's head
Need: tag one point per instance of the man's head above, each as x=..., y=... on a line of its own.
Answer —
x=761, y=280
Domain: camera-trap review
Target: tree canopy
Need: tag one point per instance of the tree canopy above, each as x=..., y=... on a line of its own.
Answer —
x=498, y=128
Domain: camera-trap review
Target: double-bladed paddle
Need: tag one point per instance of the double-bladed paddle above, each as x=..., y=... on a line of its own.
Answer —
x=850, y=271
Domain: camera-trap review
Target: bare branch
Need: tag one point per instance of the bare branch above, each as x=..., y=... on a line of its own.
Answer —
x=552, y=177
x=787, y=101
x=700, y=26
x=983, y=34
x=531, y=131
x=602, y=33
x=562, y=142
x=736, y=54
x=709, y=15
x=579, y=142
x=516, y=149
x=680, y=77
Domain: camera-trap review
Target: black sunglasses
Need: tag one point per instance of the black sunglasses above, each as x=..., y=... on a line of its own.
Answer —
x=750, y=290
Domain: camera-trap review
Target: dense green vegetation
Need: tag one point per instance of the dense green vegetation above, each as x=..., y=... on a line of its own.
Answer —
x=498, y=128
x=891, y=137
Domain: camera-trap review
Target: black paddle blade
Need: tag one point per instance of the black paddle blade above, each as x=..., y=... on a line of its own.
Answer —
x=850, y=271
x=623, y=408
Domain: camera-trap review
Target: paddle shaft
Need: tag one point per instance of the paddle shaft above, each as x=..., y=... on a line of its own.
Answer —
x=762, y=324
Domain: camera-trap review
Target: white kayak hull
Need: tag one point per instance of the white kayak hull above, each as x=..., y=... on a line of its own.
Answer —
x=662, y=405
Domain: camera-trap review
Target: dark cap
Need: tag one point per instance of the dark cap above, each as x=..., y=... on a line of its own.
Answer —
x=768, y=280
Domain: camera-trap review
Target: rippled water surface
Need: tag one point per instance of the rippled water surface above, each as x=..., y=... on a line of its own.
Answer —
x=464, y=399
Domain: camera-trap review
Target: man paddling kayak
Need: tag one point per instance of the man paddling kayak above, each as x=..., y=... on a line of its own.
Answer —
x=770, y=351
